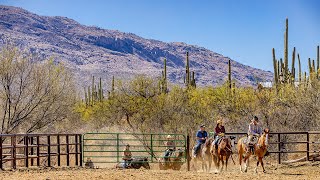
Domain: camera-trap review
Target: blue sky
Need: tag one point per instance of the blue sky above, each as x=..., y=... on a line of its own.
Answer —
x=245, y=30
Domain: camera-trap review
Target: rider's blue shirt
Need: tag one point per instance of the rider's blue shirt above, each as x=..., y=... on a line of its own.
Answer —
x=202, y=134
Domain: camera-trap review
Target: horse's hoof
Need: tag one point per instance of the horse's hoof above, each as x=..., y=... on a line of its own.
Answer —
x=264, y=171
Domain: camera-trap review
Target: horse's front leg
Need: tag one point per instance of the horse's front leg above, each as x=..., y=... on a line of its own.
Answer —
x=240, y=161
x=256, y=169
x=246, y=161
x=227, y=158
x=222, y=163
x=210, y=162
x=261, y=161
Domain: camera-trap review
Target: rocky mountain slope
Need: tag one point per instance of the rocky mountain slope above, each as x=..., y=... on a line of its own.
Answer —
x=105, y=53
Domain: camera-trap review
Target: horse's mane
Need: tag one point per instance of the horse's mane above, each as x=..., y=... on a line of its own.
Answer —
x=208, y=142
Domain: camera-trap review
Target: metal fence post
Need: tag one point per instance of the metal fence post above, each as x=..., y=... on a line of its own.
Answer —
x=279, y=149
x=308, y=147
x=49, y=150
x=187, y=152
x=68, y=150
x=151, y=148
x=118, y=147
x=58, y=150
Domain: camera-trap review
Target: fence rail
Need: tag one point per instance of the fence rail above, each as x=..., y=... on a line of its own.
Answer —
x=29, y=148
x=281, y=150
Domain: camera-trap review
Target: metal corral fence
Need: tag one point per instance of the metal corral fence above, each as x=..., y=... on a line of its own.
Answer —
x=24, y=150
x=284, y=143
x=102, y=148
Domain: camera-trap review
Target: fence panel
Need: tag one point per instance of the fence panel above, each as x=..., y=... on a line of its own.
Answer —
x=19, y=149
x=107, y=148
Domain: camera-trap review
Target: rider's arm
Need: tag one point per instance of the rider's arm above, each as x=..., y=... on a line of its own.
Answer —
x=223, y=129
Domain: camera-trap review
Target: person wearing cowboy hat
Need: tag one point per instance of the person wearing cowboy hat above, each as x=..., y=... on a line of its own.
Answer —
x=170, y=145
x=127, y=156
x=202, y=136
x=219, y=132
x=254, y=132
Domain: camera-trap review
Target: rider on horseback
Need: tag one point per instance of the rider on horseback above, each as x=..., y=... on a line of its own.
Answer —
x=171, y=147
x=219, y=132
x=254, y=132
x=202, y=136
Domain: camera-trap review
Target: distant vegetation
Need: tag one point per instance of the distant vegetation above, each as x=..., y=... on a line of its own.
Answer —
x=37, y=97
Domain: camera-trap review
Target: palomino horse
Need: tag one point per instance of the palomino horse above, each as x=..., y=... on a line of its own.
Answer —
x=203, y=156
x=224, y=150
x=260, y=150
x=173, y=162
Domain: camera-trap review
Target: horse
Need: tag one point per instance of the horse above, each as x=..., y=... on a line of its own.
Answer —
x=224, y=150
x=204, y=155
x=174, y=161
x=260, y=149
x=136, y=163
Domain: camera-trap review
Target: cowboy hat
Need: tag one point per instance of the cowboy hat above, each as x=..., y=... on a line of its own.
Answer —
x=219, y=121
x=169, y=137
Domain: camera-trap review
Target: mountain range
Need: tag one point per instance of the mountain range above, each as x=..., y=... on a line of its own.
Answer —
x=88, y=50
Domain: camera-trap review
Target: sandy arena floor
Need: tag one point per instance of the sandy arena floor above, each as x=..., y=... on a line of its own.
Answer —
x=296, y=171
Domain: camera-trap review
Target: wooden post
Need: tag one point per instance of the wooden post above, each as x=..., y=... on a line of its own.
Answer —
x=1, y=167
x=81, y=155
x=58, y=150
x=38, y=150
x=279, y=149
x=49, y=150
x=77, y=157
x=26, y=150
x=32, y=150
x=188, y=153
x=68, y=150
x=13, y=152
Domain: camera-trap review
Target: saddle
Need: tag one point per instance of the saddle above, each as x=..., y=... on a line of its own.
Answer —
x=250, y=141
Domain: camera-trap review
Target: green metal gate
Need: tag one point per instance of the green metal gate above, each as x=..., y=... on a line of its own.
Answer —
x=102, y=148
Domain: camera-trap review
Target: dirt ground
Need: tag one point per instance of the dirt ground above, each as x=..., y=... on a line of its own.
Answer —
x=306, y=170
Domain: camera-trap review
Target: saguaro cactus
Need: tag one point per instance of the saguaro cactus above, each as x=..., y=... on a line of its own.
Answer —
x=229, y=74
x=299, y=63
x=275, y=66
x=187, y=71
x=286, y=50
x=293, y=76
x=318, y=63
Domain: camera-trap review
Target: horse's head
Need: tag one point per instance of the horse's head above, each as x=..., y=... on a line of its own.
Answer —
x=232, y=142
x=265, y=136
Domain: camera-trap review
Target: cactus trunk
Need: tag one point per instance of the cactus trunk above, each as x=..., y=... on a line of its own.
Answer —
x=299, y=63
x=275, y=63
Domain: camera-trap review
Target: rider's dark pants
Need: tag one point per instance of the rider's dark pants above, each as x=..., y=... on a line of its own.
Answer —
x=197, y=147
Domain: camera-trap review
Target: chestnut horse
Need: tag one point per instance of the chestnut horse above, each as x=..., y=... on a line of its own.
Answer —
x=224, y=150
x=260, y=150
